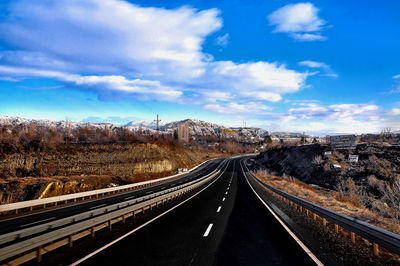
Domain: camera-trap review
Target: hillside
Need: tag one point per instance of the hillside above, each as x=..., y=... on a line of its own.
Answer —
x=372, y=182
x=308, y=163
x=196, y=127
x=64, y=169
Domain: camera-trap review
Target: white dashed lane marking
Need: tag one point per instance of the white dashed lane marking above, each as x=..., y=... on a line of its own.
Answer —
x=208, y=230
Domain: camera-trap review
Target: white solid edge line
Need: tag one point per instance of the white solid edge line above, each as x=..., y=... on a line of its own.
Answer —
x=208, y=230
x=301, y=244
x=143, y=225
x=129, y=198
x=98, y=206
x=219, y=209
x=45, y=220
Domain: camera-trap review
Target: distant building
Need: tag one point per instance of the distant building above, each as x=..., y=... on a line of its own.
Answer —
x=183, y=132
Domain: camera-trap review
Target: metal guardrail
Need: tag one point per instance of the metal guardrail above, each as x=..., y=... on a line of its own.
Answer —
x=33, y=203
x=8, y=237
x=90, y=219
x=374, y=234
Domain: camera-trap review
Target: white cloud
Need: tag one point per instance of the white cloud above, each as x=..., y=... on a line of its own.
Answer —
x=332, y=75
x=256, y=77
x=337, y=113
x=394, y=112
x=238, y=108
x=308, y=37
x=113, y=46
x=94, y=35
x=396, y=76
x=313, y=64
x=143, y=89
x=222, y=40
x=315, y=118
x=300, y=20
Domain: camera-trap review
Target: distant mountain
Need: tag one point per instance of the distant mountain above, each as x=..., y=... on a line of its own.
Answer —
x=196, y=127
x=135, y=125
x=18, y=121
x=202, y=128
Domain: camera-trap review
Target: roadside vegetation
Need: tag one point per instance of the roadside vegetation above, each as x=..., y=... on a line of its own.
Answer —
x=368, y=190
x=38, y=161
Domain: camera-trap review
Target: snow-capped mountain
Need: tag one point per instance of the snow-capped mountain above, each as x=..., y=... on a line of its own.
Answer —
x=196, y=127
x=143, y=124
x=19, y=121
x=202, y=128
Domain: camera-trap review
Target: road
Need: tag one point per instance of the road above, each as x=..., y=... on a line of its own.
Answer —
x=225, y=224
x=47, y=215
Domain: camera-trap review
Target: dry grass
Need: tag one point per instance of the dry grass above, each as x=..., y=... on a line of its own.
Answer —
x=347, y=201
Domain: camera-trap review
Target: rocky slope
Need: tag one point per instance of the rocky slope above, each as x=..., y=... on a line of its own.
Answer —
x=72, y=168
x=309, y=164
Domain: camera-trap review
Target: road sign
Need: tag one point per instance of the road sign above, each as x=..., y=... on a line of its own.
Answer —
x=353, y=158
x=343, y=142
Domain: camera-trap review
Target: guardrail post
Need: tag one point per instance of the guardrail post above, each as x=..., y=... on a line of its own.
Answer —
x=353, y=237
x=39, y=254
x=324, y=222
x=123, y=218
x=55, y=203
x=109, y=224
x=92, y=231
x=16, y=211
x=44, y=206
x=336, y=228
x=70, y=242
x=376, y=249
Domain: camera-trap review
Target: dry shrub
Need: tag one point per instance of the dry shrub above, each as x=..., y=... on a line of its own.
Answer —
x=375, y=183
x=391, y=196
x=317, y=160
x=351, y=201
x=348, y=191
x=380, y=167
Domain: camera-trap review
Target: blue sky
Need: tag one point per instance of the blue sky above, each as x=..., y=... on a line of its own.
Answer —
x=321, y=67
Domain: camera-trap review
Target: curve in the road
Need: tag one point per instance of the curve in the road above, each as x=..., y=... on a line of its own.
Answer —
x=224, y=224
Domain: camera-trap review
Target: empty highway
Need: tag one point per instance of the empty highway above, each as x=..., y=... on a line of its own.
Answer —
x=225, y=224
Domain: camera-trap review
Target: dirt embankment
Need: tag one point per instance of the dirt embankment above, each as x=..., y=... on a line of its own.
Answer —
x=309, y=164
x=371, y=185
x=65, y=169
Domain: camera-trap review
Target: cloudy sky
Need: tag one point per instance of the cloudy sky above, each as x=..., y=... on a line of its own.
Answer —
x=328, y=66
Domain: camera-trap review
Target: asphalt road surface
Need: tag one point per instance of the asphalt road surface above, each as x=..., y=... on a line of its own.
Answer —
x=225, y=224
x=47, y=215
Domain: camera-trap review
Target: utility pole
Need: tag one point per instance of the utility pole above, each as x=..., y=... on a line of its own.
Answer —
x=157, y=124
